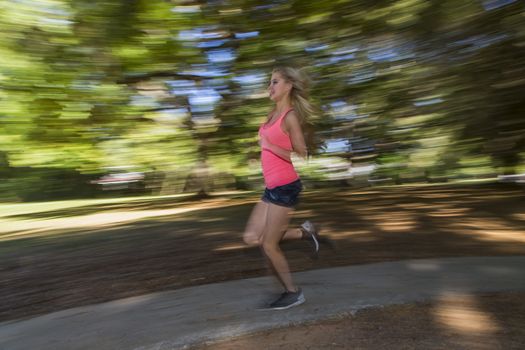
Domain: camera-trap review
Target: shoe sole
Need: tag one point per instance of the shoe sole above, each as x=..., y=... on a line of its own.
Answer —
x=300, y=301
x=315, y=240
x=321, y=240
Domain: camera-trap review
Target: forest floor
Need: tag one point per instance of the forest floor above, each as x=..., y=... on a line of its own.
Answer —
x=59, y=255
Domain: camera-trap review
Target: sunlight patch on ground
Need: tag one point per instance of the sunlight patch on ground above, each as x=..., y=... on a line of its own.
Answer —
x=230, y=246
x=215, y=233
x=501, y=235
x=11, y=229
x=485, y=223
x=393, y=221
x=519, y=216
x=489, y=235
x=485, y=229
x=397, y=226
x=304, y=213
x=211, y=220
x=450, y=212
x=363, y=193
x=346, y=234
x=412, y=206
x=9, y=209
x=462, y=314
x=434, y=195
x=374, y=209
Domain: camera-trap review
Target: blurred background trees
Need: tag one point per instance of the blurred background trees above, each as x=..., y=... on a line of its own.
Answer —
x=151, y=96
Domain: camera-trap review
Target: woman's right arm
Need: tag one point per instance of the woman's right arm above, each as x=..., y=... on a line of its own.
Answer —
x=294, y=129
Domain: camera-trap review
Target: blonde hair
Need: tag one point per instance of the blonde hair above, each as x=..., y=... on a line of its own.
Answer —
x=299, y=94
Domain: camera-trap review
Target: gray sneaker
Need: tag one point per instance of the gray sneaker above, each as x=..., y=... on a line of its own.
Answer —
x=288, y=300
x=311, y=232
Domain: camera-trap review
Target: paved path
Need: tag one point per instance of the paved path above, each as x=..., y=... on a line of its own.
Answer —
x=172, y=320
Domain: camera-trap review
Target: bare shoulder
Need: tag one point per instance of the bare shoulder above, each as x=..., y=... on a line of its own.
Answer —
x=291, y=120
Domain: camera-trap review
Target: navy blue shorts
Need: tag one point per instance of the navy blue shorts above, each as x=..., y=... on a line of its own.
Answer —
x=285, y=195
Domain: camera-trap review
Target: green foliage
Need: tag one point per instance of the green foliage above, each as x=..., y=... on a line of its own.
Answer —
x=429, y=87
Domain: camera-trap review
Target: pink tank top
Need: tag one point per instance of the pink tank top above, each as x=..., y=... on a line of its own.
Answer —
x=277, y=171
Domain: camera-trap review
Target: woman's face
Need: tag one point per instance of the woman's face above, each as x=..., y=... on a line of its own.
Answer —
x=278, y=88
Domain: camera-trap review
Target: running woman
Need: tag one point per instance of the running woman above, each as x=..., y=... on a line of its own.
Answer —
x=280, y=136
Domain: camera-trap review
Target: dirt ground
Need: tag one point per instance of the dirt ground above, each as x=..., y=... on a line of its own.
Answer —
x=483, y=322
x=58, y=259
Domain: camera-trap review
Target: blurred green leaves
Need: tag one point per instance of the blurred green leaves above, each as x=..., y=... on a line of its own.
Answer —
x=428, y=87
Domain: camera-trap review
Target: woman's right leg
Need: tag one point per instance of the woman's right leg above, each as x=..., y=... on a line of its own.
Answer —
x=253, y=232
x=252, y=235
